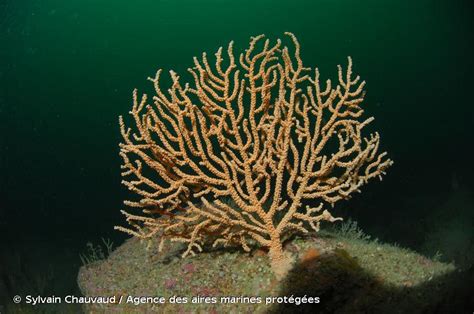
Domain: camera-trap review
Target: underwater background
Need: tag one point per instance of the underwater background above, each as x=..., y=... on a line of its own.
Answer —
x=68, y=68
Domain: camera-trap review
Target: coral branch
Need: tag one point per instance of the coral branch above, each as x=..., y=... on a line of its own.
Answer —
x=239, y=155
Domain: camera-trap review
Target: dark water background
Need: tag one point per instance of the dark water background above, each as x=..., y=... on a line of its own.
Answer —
x=67, y=69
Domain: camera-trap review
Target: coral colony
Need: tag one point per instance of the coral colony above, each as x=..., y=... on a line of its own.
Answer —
x=240, y=155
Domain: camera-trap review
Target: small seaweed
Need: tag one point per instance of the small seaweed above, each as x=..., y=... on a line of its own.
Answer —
x=97, y=252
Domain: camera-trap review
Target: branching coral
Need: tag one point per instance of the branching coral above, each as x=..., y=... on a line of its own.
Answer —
x=260, y=130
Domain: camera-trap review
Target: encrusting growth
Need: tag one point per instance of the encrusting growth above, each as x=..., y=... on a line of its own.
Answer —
x=261, y=131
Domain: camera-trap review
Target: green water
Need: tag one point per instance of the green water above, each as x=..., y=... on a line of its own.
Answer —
x=67, y=70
